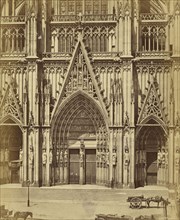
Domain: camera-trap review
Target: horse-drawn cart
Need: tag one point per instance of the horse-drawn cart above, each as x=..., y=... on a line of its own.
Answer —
x=136, y=202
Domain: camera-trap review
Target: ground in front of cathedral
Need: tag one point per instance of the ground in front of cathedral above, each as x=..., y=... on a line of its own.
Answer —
x=75, y=202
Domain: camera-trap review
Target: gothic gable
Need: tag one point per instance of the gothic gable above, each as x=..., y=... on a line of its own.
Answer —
x=152, y=106
x=10, y=105
x=80, y=77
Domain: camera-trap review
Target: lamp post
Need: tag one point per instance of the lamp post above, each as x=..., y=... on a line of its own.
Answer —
x=28, y=201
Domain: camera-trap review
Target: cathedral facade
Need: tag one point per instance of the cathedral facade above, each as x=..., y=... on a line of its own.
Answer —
x=89, y=92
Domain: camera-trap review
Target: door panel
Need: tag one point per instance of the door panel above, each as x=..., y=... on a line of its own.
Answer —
x=151, y=168
x=74, y=166
x=90, y=172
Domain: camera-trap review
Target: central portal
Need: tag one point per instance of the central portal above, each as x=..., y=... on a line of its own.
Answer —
x=89, y=166
x=78, y=130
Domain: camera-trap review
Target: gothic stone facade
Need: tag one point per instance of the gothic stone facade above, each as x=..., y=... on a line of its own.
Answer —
x=90, y=92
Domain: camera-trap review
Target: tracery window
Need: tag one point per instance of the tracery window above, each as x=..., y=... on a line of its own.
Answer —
x=13, y=40
x=153, y=38
x=71, y=7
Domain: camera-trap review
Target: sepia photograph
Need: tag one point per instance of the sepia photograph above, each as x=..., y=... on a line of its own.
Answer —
x=89, y=109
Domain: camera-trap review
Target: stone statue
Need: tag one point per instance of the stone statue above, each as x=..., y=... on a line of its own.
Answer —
x=98, y=156
x=81, y=155
x=66, y=156
x=31, y=155
x=107, y=156
x=21, y=154
x=126, y=157
x=44, y=157
x=6, y=155
x=61, y=156
x=50, y=156
x=177, y=159
x=114, y=157
x=163, y=159
x=159, y=158
x=166, y=157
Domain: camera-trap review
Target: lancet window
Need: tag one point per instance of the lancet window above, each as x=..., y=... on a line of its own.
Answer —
x=13, y=40
x=70, y=7
x=98, y=38
x=153, y=38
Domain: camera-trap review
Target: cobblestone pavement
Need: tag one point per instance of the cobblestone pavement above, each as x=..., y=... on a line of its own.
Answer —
x=75, y=202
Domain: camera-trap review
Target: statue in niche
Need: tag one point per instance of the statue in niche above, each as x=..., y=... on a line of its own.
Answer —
x=107, y=156
x=103, y=155
x=114, y=157
x=98, y=156
x=57, y=156
x=20, y=154
x=163, y=161
x=44, y=156
x=126, y=157
x=177, y=159
x=31, y=155
x=50, y=156
x=166, y=157
x=66, y=156
x=60, y=158
x=159, y=158
x=6, y=155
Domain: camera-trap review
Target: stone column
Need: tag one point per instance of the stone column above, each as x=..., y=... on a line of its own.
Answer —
x=126, y=166
x=171, y=157
x=31, y=163
x=81, y=162
x=110, y=154
x=61, y=168
x=25, y=156
x=21, y=165
x=66, y=159
x=44, y=162
x=36, y=157
x=98, y=155
x=132, y=164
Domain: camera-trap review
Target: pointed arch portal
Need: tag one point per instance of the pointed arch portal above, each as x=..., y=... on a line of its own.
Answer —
x=150, y=140
x=10, y=145
x=76, y=131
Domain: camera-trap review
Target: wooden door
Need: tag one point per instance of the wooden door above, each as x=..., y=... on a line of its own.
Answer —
x=90, y=166
x=74, y=167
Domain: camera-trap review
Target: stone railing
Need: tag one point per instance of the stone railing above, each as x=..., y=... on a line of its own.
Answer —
x=12, y=54
x=153, y=54
x=100, y=17
x=95, y=55
x=59, y=55
x=152, y=17
x=10, y=19
x=106, y=55
x=71, y=18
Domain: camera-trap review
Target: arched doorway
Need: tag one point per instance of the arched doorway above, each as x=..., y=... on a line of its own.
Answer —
x=150, y=140
x=76, y=132
x=10, y=144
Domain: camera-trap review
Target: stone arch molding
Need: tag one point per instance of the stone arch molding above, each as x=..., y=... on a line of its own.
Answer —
x=78, y=102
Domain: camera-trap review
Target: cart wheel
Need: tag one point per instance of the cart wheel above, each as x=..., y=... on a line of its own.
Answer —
x=136, y=203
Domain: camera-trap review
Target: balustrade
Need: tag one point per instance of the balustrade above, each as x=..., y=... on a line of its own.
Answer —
x=10, y=19
x=74, y=18
x=152, y=17
x=153, y=54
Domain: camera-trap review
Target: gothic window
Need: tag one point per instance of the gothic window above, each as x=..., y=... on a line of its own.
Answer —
x=153, y=38
x=13, y=40
x=76, y=6
x=103, y=40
